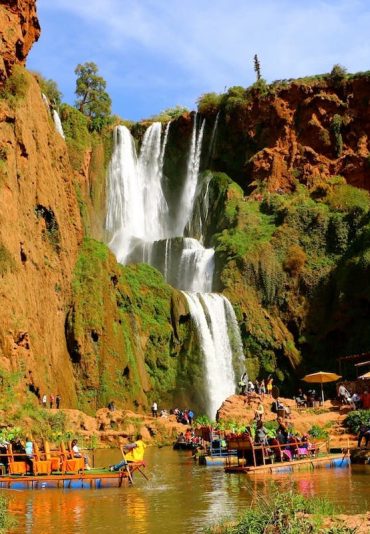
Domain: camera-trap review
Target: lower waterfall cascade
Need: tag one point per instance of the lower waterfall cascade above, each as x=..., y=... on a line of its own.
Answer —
x=140, y=228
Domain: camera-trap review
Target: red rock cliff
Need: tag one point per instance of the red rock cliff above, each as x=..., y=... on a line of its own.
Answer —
x=19, y=29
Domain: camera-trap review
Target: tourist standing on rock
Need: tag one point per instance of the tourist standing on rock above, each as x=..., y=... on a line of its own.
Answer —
x=269, y=380
x=260, y=412
x=243, y=383
x=155, y=409
x=57, y=401
x=44, y=400
x=51, y=400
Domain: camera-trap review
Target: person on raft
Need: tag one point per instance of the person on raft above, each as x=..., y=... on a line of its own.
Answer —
x=135, y=453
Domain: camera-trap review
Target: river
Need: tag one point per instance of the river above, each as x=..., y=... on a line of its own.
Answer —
x=181, y=497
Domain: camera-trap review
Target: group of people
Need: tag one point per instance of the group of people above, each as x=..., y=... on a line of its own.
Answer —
x=356, y=400
x=261, y=387
x=45, y=401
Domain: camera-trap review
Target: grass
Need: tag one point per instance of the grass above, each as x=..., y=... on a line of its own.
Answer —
x=285, y=512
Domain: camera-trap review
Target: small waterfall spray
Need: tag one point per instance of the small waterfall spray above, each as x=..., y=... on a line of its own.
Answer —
x=58, y=123
x=212, y=143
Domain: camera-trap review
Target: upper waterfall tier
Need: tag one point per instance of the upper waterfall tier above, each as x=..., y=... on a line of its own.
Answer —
x=137, y=208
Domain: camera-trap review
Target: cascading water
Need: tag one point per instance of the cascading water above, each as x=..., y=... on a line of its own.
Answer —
x=140, y=229
x=137, y=209
x=209, y=313
x=212, y=142
x=188, y=194
x=58, y=123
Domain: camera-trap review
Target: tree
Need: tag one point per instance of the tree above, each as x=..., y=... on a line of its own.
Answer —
x=92, y=98
x=257, y=67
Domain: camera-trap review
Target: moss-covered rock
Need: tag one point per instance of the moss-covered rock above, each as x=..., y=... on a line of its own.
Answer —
x=124, y=331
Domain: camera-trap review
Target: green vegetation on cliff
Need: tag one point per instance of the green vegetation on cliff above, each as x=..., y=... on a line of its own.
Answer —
x=296, y=267
x=121, y=331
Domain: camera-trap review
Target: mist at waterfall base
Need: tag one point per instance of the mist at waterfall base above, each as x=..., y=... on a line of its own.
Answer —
x=143, y=226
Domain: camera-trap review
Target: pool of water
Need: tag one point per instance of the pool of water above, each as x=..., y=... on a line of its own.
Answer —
x=180, y=497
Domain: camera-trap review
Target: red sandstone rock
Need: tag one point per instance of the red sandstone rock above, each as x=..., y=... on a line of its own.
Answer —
x=19, y=29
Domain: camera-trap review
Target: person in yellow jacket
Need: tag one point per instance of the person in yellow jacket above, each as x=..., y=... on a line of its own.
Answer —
x=135, y=453
x=136, y=450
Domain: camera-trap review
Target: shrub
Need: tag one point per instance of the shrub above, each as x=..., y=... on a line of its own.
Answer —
x=356, y=419
x=209, y=103
x=338, y=74
x=318, y=432
x=170, y=114
x=295, y=260
x=49, y=88
x=336, y=125
x=15, y=87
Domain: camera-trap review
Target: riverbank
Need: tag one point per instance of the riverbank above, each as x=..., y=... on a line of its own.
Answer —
x=113, y=428
x=291, y=512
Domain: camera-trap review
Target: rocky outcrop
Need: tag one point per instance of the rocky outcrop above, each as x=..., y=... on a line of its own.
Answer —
x=293, y=131
x=19, y=29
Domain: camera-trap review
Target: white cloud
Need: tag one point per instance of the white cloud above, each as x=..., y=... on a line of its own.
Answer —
x=208, y=44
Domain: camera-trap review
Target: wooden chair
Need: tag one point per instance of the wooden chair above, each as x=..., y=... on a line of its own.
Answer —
x=40, y=466
x=16, y=467
x=55, y=460
x=69, y=463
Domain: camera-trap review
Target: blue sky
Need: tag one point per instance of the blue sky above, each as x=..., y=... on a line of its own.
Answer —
x=156, y=54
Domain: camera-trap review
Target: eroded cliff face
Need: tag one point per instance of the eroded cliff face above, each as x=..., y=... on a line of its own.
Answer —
x=40, y=233
x=19, y=29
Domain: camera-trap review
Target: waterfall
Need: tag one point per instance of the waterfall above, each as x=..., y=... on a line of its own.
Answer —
x=150, y=178
x=208, y=311
x=191, y=181
x=196, y=267
x=137, y=208
x=58, y=123
x=212, y=142
x=140, y=228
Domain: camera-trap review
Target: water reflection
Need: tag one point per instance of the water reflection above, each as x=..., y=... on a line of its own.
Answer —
x=180, y=497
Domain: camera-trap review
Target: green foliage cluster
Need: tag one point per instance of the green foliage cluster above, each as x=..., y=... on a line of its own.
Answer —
x=336, y=125
x=318, y=432
x=15, y=87
x=7, y=263
x=7, y=521
x=278, y=254
x=50, y=89
x=92, y=98
x=284, y=512
x=76, y=131
x=356, y=419
x=209, y=103
x=170, y=114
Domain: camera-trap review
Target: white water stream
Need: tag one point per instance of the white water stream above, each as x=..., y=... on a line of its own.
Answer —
x=141, y=229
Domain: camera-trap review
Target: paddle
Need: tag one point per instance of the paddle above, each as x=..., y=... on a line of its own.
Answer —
x=127, y=466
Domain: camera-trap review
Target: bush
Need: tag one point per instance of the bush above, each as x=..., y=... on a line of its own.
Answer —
x=318, y=432
x=356, y=419
x=170, y=114
x=209, y=103
x=16, y=86
x=295, y=260
x=338, y=74
x=50, y=89
x=336, y=125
